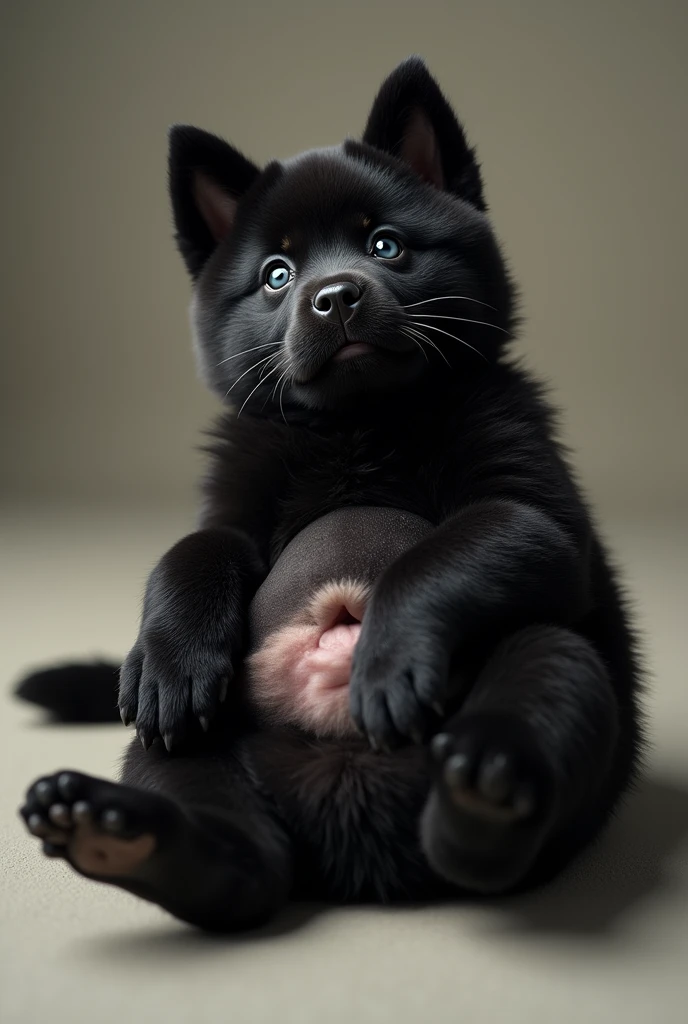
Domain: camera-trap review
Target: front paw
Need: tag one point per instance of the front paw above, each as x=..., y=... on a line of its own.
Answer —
x=169, y=679
x=398, y=683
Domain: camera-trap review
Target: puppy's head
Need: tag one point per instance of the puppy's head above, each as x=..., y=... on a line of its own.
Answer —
x=342, y=273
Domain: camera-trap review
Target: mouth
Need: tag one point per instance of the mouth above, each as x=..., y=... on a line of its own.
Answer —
x=350, y=349
x=349, y=366
x=360, y=354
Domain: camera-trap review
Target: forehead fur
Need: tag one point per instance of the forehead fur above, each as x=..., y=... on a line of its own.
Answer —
x=326, y=188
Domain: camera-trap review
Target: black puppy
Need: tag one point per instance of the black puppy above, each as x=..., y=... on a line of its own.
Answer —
x=354, y=304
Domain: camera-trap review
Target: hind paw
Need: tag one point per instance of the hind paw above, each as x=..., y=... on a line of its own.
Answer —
x=490, y=808
x=489, y=782
x=104, y=830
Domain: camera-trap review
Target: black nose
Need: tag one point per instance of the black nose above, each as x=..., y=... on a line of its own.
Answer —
x=337, y=302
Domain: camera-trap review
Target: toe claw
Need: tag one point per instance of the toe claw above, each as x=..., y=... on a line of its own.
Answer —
x=125, y=716
x=144, y=738
x=205, y=723
x=168, y=738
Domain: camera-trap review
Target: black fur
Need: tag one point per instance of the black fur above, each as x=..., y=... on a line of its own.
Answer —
x=503, y=628
x=193, y=150
x=412, y=92
x=74, y=693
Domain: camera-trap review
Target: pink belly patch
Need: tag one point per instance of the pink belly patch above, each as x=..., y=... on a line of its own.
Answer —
x=300, y=675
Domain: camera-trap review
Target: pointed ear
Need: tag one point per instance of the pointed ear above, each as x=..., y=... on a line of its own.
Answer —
x=412, y=120
x=207, y=178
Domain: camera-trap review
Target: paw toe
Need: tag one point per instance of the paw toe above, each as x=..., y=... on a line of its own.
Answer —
x=441, y=746
x=495, y=778
x=145, y=736
x=44, y=792
x=113, y=821
x=60, y=815
x=205, y=696
x=223, y=689
x=457, y=771
x=81, y=813
x=67, y=786
x=37, y=825
x=129, y=676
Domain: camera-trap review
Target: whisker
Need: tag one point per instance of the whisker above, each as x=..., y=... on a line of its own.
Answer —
x=415, y=342
x=431, y=327
x=462, y=319
x=267, y=363
x=264, y=360
x=442, y=298
x=270, y=397
x=281, y=406
x=431, y=344
x=274, y=390
x=271, y=344
x=274, y=370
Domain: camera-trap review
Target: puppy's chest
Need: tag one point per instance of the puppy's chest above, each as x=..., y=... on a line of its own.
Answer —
x=367, y=469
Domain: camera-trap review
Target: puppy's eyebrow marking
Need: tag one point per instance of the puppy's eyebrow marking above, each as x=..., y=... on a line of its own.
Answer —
x=286, y=243
x=366, y=222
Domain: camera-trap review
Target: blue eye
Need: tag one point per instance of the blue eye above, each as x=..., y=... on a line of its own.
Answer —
x=386, y=247
x=277, y=276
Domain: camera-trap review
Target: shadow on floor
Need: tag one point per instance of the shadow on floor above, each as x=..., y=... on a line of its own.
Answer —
x=631, y=862
x=172, y=941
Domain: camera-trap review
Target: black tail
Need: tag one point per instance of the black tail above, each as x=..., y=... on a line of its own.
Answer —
x=74, y=693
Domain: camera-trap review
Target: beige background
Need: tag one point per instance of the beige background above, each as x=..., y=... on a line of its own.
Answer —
x=579, y=112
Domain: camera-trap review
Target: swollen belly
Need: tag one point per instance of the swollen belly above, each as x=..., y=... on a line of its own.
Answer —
x=300, y=674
